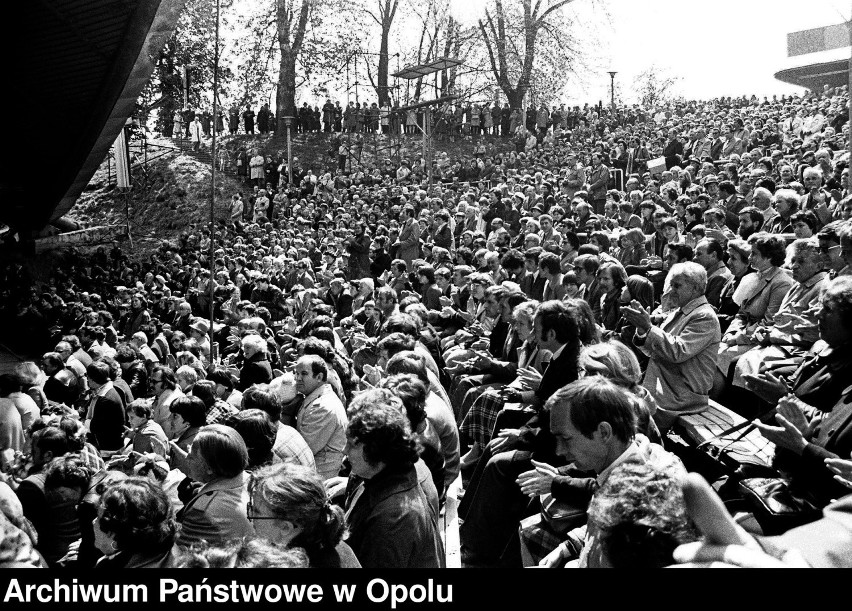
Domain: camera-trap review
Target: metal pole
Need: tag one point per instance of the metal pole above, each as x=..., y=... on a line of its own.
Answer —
x=289, y=155
x=127, y=216
x=612, y=88
x=213, y=180
x=849, y=88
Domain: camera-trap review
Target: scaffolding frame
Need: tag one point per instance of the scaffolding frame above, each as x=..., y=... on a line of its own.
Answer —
x=420, y=71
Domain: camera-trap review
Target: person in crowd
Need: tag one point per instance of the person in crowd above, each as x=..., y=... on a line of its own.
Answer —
x=135, y=526
x=494, y=228
x=289, y=507
x=216, y=512
x=594, y=424
x=493, y=504
x=145, y=435
x=105, y=416
x=321, y=420
x=256, y=368
x=391, y=502
x=165, y=389
x=682, y=349
x=50, y=496
x=188, y=415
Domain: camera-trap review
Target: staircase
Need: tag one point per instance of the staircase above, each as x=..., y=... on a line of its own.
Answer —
x=202, y=154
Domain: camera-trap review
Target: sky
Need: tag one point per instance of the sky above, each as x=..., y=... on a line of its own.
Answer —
x=721, y=47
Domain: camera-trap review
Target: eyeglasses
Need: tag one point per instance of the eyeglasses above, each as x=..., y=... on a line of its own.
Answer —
x=828, y=250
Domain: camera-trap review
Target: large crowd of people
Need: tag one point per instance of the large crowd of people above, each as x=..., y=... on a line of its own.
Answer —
x=533, y=324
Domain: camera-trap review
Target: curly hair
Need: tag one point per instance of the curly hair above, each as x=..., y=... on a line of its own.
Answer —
x=67, y=471
x=641, y=514
x=412, y=392
x=376, y=420
x=297, y=494
x=138, y=514
x=241, y=554
x=769, y=246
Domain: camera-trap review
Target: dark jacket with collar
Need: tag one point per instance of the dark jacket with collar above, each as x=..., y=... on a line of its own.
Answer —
x=108, y=421
x=256, y=370
x=394, y=522
x=216, y=514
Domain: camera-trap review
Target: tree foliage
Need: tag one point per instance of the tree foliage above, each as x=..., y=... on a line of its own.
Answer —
x=654, y=86
x=191, y=46
x=514, y=34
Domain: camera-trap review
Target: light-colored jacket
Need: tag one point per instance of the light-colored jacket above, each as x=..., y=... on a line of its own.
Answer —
x=683, y=352
x=322, y=422
x=409, y=242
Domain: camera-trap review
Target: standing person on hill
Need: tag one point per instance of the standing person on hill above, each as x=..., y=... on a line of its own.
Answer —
x=195, y=132
x=248, y=120
x=233, y=119
x=256, y=164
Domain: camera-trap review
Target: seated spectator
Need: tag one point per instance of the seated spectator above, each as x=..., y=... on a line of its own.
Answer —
x=682, y=349
x=258, y=432
x=321, y=420
x=638, y=518
x=50, y=493
x=289, y=507
x=441, y=424
x=145, y=435
x=256, y=368
x=289, y=445
x=392, y=504
x=595, y=427
x=135, y=526
x=709, y=254
x=105, y=415
x=822, y=376
x=216, y=513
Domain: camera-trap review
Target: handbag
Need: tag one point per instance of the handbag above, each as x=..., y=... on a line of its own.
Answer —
x=561, y=517
x=777, y=507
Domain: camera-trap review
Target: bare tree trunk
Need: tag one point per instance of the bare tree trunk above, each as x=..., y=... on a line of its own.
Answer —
x=290, y=44
x=493, y=33
x=387, y=12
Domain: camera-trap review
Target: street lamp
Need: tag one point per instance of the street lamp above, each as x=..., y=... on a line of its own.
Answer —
x=288, y=122
x=612, y=74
